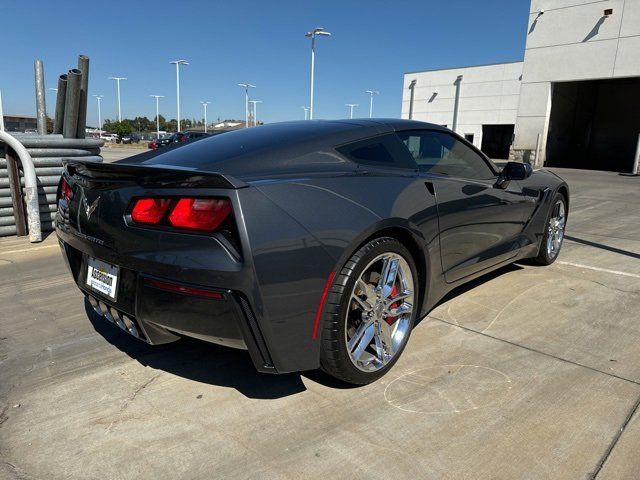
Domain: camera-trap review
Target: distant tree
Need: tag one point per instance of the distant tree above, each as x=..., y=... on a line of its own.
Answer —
x=108, y=126
x=170, y=125
x=122, y=128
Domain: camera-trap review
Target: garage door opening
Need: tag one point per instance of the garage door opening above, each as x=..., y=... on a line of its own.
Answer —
x=496, y=140
x=594, y=124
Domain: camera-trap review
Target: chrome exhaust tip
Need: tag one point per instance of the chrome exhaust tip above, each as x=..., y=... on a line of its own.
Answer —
x=94, y=304
x=131, y=327
x=117, y=318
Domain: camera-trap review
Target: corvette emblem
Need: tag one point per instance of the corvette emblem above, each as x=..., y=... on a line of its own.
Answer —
x=89, y=209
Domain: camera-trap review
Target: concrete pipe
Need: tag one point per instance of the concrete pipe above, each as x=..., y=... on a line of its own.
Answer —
x=43, y=181
x=6, y=212
x=48, y=189
x=7, y=231
x=47, y=162
x=83, y=66
x=62, y=152
x=43, y=171
x=36, y=141
x=6, y=202
x=72, y=103
x=5, y=192
x=4, y=221
x=49, y=207
x=60, y=101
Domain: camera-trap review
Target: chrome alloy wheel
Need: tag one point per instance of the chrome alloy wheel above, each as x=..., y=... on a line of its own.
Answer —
x=379, y=312
x=556, y=229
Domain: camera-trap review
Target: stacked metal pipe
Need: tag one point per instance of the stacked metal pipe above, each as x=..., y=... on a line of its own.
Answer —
x=48, y=151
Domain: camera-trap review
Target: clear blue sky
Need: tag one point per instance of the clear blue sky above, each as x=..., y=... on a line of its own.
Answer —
x=260, y=42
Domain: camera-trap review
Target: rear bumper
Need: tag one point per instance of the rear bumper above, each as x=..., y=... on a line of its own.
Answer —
x=147, y=309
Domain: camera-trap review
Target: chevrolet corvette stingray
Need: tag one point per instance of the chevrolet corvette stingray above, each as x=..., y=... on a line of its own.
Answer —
x=309, y=244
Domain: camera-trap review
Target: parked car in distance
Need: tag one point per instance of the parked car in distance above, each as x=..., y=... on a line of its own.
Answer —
x=178, y=137
x=131, y=138
x=109, y=137
x=309, y=244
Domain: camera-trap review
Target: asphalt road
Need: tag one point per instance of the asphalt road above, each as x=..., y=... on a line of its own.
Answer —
x=527, y=373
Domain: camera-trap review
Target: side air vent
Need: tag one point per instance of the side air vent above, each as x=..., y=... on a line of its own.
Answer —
x=257, y=335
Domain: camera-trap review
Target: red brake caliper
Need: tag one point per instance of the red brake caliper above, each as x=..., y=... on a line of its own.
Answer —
x=393, y=293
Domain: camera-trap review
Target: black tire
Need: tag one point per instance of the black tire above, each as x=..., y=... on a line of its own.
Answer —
x=544, y=257
x=334, y=355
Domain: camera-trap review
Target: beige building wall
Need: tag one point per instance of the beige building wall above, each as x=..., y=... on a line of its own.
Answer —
x=488, y=96
x=571, y=40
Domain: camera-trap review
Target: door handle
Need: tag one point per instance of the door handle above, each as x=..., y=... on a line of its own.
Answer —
x=429, y=186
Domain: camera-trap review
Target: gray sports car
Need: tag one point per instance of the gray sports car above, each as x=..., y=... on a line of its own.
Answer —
x=310, y=244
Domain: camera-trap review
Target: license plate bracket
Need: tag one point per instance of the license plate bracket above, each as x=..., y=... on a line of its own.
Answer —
x=102, y=277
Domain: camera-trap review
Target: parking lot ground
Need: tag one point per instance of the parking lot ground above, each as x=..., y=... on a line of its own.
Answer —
x=529, y=372
x=112, y=152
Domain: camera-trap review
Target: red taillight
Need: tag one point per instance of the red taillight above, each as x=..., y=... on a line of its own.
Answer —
x=150, y=210
x=204, y=214
x=200, y=214
x=65, y=190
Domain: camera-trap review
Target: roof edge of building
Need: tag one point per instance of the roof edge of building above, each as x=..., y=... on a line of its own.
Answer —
x=465, y=66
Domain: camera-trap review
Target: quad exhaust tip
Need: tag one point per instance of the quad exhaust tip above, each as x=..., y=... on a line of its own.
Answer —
x=125, y=322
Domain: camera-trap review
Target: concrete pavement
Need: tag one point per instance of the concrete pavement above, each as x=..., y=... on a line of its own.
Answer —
x=527, y=373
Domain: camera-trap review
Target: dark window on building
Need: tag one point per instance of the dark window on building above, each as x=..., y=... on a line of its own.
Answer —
x=469, y=137
x=440, y=152
x=382, y=151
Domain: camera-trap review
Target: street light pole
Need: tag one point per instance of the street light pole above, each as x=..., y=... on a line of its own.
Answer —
x=157, y=97
x=371, y=94
x=204, y=104
x=351, y=105
x=117, y=79
x=255, y=111
x=246, y=87
x=98, y=98
x=312, y=34
x=306, y=112
x=177, y=63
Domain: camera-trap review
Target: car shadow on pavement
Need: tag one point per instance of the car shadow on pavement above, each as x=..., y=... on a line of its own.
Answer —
x=208, y=363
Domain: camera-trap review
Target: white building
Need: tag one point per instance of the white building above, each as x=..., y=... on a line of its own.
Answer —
x=575, y=99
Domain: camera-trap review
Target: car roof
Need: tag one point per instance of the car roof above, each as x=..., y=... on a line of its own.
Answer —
x=276, y=148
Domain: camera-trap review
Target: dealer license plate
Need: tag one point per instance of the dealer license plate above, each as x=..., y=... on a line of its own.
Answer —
x=102, y=277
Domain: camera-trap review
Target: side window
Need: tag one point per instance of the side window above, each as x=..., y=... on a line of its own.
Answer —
x=440, y=152
x=381, y=151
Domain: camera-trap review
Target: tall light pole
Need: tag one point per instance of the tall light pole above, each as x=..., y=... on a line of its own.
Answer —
x=371, y=94
x=99, y=98
x=351, y=105
x=246, y=87
x=157, y=97
x=204, y=105
x=306, y=112
x=117, y=79
x=254, y=103
x=312, y=34
x=177, y=63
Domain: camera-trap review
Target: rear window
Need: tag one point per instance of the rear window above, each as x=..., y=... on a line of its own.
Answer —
x=381, y=151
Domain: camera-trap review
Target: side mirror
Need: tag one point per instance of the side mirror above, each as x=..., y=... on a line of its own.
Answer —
x=514, y=171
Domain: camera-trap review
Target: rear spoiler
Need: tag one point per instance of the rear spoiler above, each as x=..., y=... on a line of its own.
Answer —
x=148, y=175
